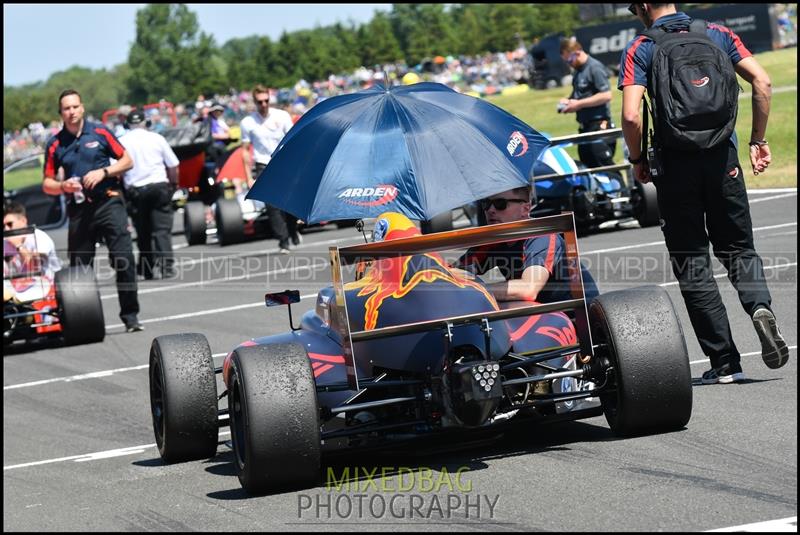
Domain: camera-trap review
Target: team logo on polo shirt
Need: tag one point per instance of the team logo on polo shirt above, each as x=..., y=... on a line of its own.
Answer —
x=92, y=144
x=516, y=141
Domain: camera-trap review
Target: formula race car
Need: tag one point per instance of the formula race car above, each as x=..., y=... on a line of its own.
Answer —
x=39, y=303
x=403, y=346
x=597, y=195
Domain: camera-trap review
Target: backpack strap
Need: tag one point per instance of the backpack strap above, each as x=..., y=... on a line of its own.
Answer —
x=654, y=34
x=698, y=26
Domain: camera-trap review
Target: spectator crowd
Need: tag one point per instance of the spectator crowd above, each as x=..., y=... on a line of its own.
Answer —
x=482, y=75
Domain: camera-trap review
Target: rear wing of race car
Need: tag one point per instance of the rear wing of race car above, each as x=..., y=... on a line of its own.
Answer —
x=462, y=238
x=588, y=137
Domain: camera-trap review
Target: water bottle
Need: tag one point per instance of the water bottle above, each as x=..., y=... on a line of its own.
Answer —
x=78, y=196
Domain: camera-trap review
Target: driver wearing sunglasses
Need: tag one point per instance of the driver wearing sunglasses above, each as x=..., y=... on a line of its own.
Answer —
x=535, y=269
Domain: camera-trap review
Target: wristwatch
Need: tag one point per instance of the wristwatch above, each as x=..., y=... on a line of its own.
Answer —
x=758, y=142
x=105, y=172
x=638, y=160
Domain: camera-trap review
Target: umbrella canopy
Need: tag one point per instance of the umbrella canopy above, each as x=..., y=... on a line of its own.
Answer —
x=419, y=150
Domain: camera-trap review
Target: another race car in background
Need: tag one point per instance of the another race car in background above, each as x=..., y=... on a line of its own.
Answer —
x=39, y=303
x=404, y=347
x=597, y=195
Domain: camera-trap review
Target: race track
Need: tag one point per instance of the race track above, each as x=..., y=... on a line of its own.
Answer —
x=79, y=452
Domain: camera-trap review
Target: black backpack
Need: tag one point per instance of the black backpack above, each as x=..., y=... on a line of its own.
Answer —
x=693, y=89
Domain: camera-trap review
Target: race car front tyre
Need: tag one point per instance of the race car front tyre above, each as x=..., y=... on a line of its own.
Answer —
x=230, y=222
x=637, y=333
x=274, y=418
x=183, y=397
x=645, y=204
x=194, y=222
x=80, y=309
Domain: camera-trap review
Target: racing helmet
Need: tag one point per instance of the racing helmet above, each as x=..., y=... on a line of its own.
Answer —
x=393, y=225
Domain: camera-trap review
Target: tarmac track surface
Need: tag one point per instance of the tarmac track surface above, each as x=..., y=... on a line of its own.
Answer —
x=78, y=447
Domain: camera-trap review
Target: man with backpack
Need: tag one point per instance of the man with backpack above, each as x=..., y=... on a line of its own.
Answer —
x=689, y=71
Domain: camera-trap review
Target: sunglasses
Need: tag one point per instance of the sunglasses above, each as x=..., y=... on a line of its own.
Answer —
x=262, y=101
x=632, y=9
x=499, y=204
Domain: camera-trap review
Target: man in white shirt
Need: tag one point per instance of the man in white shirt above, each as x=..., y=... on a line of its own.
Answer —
x=149, y=186
x=34, y=251
x=265, y=128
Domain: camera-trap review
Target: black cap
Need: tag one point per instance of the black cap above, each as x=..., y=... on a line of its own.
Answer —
x=135, y=117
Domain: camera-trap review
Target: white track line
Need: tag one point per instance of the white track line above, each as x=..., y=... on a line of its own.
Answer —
x=660, y=242
x=119, y=452
x=762, y=199
x=770, y=190
x=750, y=354
x=784, y=525
x=202, y=312
x=720, y=275
x=269, y=273
x=84, y=376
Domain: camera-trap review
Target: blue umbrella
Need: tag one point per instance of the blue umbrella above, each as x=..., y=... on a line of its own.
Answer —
x=419, y=150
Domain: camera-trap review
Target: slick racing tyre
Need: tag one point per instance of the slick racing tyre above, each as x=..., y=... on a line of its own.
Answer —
x=645, y=204
x=79, y=307
x=638, y=334
x=183, y=397
x=194, y=222
x=274, y=421
x=230, y=222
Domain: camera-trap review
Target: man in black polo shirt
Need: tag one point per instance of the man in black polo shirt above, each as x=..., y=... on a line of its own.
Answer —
x=96, y=207
x=535, y=269
x=590, y=102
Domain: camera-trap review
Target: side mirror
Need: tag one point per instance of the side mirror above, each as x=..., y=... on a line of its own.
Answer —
x=286, y=297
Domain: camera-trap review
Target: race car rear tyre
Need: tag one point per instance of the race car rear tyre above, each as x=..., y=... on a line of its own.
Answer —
x=638, y=334
x=230, y=222
x=80, y=309
x=645, y=205
x=183, y=397
x=194, y=222
x=440, y=223
x=274, y=418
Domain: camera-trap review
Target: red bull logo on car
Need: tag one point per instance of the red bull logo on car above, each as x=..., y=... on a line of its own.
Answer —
x=376, y=196
x=398, y=279
x=517, y=141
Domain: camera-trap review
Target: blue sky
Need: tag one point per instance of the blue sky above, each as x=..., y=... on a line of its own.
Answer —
x=40, y=39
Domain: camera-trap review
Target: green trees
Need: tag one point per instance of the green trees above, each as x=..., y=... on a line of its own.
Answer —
x=171, y=58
